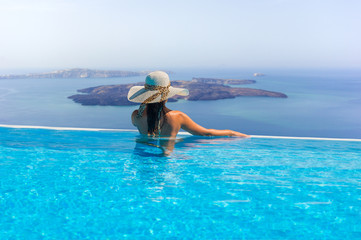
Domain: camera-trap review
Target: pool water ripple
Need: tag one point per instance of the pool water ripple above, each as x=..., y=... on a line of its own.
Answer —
x=98, y=185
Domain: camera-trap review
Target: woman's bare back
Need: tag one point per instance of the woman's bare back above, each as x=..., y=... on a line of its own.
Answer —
x=169, y=123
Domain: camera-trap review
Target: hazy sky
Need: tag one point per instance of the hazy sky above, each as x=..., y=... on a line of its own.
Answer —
x=126, y=34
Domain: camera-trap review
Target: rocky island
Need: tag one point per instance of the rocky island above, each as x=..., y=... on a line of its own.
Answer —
x=77, y=73
x=199, y=89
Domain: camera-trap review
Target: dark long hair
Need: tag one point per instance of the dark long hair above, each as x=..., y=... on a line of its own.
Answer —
x=155, y=111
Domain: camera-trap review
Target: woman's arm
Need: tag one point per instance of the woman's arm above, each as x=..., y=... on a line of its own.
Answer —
x=190, y=126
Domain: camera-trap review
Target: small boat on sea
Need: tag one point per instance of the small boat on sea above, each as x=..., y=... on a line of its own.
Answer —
x=258, y=74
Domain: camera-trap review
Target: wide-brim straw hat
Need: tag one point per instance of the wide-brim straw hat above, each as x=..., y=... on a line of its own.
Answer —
x=155, y=83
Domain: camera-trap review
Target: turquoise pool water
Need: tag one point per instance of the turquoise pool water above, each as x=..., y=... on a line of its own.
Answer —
x=58, y=184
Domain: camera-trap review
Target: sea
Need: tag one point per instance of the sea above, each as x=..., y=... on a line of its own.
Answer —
x=320, y=103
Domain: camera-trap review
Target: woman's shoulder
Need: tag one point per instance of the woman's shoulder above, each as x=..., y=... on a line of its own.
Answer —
x=175, y=113
x=135, y=112
x=178, y=116
x=134, y=117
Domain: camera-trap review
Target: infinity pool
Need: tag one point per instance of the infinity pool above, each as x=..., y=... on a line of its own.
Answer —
x=58, y=184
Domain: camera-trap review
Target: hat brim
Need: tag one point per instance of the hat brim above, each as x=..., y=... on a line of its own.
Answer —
x=139, y=94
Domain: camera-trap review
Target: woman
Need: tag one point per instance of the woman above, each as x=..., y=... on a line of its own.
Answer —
x=153, y=118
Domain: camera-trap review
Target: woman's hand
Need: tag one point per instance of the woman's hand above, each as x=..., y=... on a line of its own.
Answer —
x=238, y=134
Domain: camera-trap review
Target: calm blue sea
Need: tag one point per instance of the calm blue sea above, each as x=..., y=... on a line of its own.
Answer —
x=321, y=103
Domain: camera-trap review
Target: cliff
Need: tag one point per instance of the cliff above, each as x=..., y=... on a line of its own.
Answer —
x=116, y=95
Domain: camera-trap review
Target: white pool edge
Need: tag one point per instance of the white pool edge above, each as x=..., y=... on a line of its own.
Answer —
x=180, y=133
x=309, y=138
x=67, y=128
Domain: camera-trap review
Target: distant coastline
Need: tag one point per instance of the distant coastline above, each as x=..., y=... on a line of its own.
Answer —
x=199, y=89
x=116, y=95
x=76, y=73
